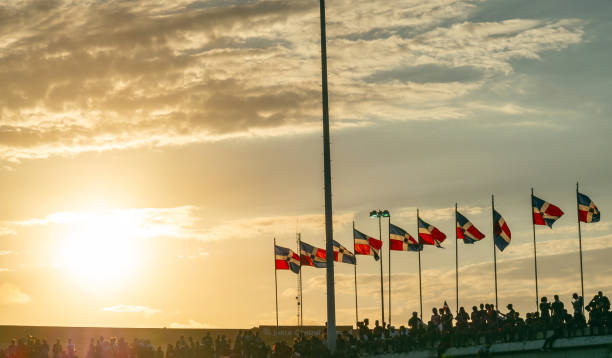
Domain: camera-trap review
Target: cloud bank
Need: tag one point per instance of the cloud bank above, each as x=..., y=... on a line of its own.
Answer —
x=97, y=76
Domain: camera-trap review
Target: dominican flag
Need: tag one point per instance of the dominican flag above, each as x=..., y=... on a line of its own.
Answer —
x=430, y=234
x=501, y=231
x=341, y=254
x=366, y=245
x=286, y=259
x=312, y=256
x=446, y=307
x=544, y=213
x=467, y=231
x=400, y=240
x=587, y=211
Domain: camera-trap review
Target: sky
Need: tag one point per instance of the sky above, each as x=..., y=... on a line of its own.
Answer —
x=150, y=152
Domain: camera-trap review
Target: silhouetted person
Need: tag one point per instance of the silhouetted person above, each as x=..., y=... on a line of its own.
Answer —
x=578, y=303
x=511, y=315
x=544, y=309
x=557, y=308
x=415, y=322
x=57, y=349
x=378, y=330
x=483, y=315
x=435, y=318
x=462, y=318
x=603, y=301
x=447, y=320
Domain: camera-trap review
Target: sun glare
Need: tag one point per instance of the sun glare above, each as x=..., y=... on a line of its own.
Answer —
x=99, y=251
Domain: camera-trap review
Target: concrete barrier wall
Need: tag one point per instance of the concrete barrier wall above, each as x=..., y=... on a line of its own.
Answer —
x=577, y=347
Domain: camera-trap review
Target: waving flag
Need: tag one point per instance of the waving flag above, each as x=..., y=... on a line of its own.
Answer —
x=467, y=231
x=501, y=232
x=446, y=307
x=587, y=211
x=400, y=240
x=544, y=213
x=341, y=254
x=366, y=245
x=430, y=234
x=312, y=256
x=286, y=259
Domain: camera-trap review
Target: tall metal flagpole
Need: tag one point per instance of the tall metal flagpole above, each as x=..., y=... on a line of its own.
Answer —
x=329, y=232
x=382, y=296
x=456, y=262
x=494, y=251
x=420, y=286
x=355, y=268
x=580, y=245
x=535, y=255
x=301, y=302
x=275, y=288
x=389, y=253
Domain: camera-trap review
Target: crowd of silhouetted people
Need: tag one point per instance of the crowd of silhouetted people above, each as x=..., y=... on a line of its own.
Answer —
x=483, y=326
x=246, y=345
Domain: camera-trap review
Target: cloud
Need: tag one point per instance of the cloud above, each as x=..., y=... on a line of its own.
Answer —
x=12, y=294
x=289, y=292
x=183, y=222
x=147, y=311
x=440, y=214
x=190, y=324
x=270, y=225
x=194, y=256
x=180, y=222
x=99, y=76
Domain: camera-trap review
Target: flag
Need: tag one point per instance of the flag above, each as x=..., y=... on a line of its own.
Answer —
x=446, y=308
x=501, y=232
x=544, y=213
x=341, y=254
x=286, y=259
x=587, y=211
x=312, y=256
x=429, y=234
x=366, y=245
x=400, y=240
x=467, y=231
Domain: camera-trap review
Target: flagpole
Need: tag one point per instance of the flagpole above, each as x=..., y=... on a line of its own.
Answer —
x=535, y=255
x=580, y=246
x=355, y=269
x=275, y=288
x=329, y=232
x=420, y=285
x=456, y=262
x=494, y=251
x=382, y=296
x=389, y=251
x=299, y=240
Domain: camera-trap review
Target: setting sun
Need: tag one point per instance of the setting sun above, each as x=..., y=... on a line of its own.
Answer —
x=100, y=249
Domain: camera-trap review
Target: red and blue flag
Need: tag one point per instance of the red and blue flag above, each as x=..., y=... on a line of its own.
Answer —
x=430, y=234
x=286, y=259
x=312, y=256
x=342, y=254
x=544, y=213
x=466, y=231
x=366, y=245
x=400, y=240
x=501, y=231
x=587, y=211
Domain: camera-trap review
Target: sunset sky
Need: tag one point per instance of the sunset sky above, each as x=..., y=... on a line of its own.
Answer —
x=150, y=151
